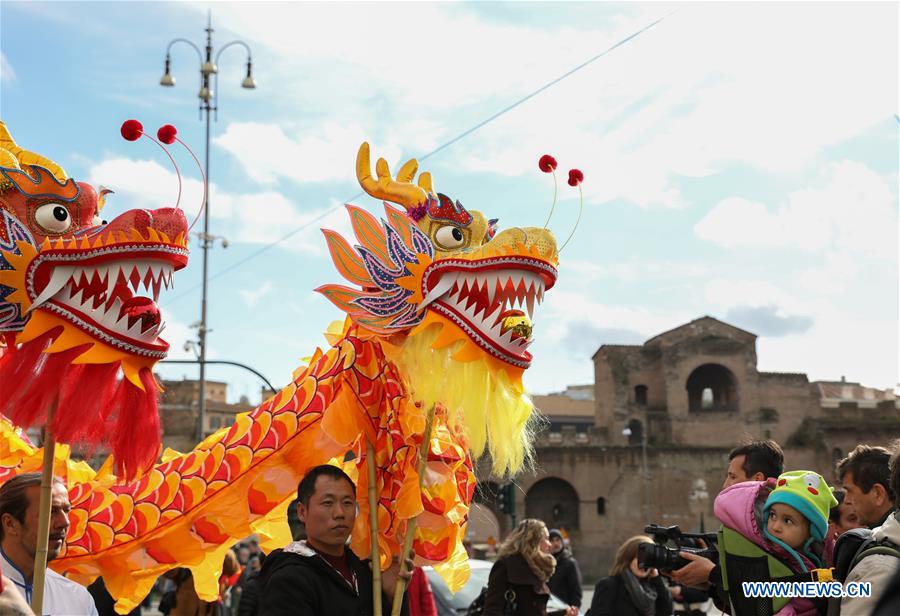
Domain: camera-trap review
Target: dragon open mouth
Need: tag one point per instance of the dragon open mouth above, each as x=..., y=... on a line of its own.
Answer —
x=487, y=298
x=98, y=290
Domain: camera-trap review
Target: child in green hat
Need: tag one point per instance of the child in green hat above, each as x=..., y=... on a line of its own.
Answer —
x=796, y=513
x=787, y=518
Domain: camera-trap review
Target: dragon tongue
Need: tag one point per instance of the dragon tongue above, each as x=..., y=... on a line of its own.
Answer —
x=143, y=309
x=517, y=322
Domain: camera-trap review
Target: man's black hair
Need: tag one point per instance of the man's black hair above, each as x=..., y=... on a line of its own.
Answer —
x=763, y=457
x=868, y=465
x=834, y=514
x=308, y=484
x=14, y=498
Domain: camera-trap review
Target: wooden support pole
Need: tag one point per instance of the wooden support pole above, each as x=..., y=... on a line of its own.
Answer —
x=373, y=530
x=411, y=523
x=43, y=534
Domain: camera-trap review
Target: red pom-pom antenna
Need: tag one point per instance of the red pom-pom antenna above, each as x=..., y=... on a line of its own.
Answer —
x=547, y=163
x=132, y=130
x=576, y=177
x=166, y=134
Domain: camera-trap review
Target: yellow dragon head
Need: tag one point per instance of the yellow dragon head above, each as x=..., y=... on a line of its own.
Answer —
x=452, y=298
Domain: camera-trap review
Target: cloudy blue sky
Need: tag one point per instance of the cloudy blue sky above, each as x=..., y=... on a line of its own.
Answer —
x=741, y=160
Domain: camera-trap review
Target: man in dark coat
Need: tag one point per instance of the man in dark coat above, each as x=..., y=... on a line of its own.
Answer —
x=321, y=576
x=566, y=580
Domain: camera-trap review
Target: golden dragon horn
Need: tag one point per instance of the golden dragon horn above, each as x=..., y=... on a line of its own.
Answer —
x=400, y=191
x=14, y=157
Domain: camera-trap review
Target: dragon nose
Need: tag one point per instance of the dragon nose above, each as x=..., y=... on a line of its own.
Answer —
x=170, y=221
x=543, y=241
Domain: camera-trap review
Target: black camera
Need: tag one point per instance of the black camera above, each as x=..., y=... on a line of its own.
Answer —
x=668, y=542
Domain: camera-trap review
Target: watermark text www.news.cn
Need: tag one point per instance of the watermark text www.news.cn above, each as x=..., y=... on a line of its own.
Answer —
x=807, y=590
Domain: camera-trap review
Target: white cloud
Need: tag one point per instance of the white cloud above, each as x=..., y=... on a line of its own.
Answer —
x=563, y=307
x=836, y=271
x=724, y=293
x=267, y=153
x=146, y=184
x=7, y=73
x=851, y=210
x=636, y=270
x=251, y=218
x=315, y=154
x=863, y=350
x=708, y=87
x=252, y=296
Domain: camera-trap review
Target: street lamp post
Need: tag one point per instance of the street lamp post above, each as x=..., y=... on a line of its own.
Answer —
x=209, y=81
x=698, y=500
x=646, y=472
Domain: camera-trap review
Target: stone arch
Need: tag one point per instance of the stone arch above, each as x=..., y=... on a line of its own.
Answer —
x=712, y=387
x=555, y=501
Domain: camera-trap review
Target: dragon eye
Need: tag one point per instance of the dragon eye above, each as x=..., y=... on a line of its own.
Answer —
x=450, y=237
x=53, y=218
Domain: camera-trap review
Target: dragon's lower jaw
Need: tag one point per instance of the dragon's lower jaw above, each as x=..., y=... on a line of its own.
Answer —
x=483, y=299
x=102, y=299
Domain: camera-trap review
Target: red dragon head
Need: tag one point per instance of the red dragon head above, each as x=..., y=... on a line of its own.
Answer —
x=79, y=335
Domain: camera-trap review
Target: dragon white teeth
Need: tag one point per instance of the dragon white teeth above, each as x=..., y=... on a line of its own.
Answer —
x=97, y=283
x=529, y=298
x=59, y=279
x=492, y=287
x=109, y=318
x=135, y=330
x=122, y=323
x=112, y=277
x=75, y=300
x=506, y=337
x=443, y=285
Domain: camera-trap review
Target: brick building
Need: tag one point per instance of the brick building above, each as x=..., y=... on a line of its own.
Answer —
x=179, y=409
x=665, y=415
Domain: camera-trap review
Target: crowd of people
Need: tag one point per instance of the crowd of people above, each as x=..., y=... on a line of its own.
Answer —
x=777, y=525
x=790, y=523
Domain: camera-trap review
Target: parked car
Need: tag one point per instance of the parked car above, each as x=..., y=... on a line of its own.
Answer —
x=449, y=604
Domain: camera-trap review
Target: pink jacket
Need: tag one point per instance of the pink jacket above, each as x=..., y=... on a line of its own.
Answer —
x=740, y=508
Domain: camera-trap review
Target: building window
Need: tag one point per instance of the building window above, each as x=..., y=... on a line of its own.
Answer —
x=640, y=395
x=215, y=423
x=711, y=388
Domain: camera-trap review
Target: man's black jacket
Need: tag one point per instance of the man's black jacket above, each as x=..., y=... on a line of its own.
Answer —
x=297, y=581
x=566, y=580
